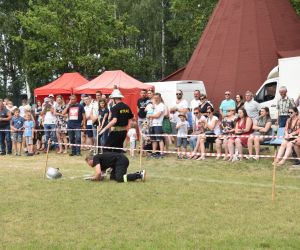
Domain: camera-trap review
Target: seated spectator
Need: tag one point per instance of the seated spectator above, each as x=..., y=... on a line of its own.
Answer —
x=292, y=128
x=262, y=126
x=227, y=128
x=212, y=127
x=243, y=127
x=198, y=128
x=239, y=102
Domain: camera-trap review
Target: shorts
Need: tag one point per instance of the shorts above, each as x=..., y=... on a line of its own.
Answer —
x=154, y=131
x=181, y=142
x=89, y=131
x=174, y=129
x=28, y=140
x=132, y=144
x=17, y=137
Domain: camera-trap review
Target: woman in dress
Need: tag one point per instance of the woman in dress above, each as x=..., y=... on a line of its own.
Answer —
x=243, y=127
x=261, y=127
x=61, y=125
x=227, y=129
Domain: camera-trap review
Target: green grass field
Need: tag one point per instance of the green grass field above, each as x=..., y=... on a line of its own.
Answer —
x=182, y=205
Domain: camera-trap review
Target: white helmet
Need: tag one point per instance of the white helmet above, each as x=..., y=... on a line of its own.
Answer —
x=53, y=173
x=116, y=94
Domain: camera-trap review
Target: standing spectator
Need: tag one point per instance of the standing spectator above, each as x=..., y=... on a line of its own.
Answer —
x=261, y=126
x=205, y=104
x=226, y=104
x=292, y=128
x=76, y=122
x=17, y=125
x=239, y=103
x=251, y=106
x=49, y=122
x=96, y=114
x=23, y=107
x=103, y=121
x=89, y=122
x=180, y=106
x=156, y=129
x=195, y=102
x=283, y=105
x=61, y=125
x=227, y=129
x=120, y=114
x=51, y=100
x=182, y=131
x=141, y=105
x=243, y=127
x=10, y=106
x=132, y=135
x=5, y=136
x=28, y=133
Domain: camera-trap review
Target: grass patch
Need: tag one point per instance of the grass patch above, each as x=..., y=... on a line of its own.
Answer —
x=183, y=205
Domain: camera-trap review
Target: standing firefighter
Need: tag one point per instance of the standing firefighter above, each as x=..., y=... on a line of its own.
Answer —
x=117, y=162
x=120, y=115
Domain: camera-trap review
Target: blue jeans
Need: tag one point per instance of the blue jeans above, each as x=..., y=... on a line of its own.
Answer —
x=103, y=138
x=282, y=119
x=193, y=141
x=5, y=137
x=50, y=133
x=75, y=138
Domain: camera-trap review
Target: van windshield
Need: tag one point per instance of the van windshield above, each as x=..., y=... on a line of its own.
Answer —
x=267, y=93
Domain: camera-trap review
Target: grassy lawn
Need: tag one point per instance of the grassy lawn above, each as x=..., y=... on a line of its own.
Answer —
x=183, y=205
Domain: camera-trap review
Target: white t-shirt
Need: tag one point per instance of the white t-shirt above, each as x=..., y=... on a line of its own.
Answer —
x=88, y=111
x=183, y=129
x=194, y=103
x=49, y=118
x=158, y=108
x=217, y=129
x=183, y=104
x=95, y=108
x=132, y=134
x=22, y=111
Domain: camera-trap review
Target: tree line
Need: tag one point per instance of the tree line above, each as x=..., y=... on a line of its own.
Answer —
x=148, y=39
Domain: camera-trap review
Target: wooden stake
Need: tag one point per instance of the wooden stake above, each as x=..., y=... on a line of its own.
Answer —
x=274, y=180
x=47, y=155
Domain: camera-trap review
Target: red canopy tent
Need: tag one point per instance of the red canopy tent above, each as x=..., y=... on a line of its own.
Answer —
x=129, y=86
x=63, y=85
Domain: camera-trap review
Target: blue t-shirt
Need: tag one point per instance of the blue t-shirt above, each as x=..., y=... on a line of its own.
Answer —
x=75, y=116
x=226, y=105
x=17, y=122
x=28, y=125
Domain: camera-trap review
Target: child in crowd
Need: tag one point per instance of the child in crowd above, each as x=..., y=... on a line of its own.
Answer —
x=28, y=133
x=132, y=137
x=147, y=144
x=17, y=123
x=182, y=131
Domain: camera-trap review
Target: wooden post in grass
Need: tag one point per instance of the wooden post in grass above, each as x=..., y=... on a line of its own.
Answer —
x=141, y=151
x=47, y=154
x=274, y=180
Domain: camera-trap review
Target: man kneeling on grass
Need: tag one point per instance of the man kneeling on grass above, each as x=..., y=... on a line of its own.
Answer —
x=117, y=162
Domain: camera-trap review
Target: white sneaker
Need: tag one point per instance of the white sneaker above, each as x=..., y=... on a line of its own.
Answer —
x=143, y=175
x=235, y=158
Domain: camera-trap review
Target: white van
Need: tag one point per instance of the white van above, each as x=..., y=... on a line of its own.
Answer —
x=168, y=90
x=287, y=74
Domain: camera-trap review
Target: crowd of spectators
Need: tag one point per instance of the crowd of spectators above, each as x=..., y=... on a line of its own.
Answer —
x=233, y=126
